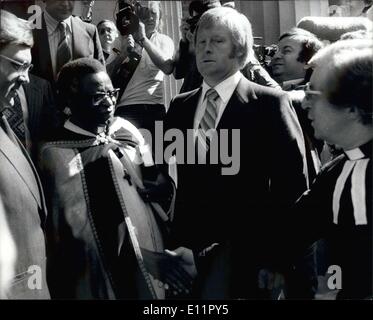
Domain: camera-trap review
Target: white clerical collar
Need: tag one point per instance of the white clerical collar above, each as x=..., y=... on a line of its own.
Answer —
x=225, y=88
x=354, y=154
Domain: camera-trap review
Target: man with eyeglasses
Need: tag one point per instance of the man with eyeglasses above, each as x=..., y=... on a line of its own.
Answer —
x=20, y=187
x=338, y=206
x=95, y=173
x=33, y=100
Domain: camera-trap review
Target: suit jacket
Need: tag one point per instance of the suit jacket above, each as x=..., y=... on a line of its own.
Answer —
x=237, y=210
x=85, y=43
x=42, y=112
x=25, y=210
x=348, y=244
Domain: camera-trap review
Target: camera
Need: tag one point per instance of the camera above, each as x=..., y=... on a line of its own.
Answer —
x=129, y=15
x=263, y=53
x=192, y=22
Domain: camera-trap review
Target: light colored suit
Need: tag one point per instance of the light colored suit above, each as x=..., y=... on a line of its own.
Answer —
x=25, y=210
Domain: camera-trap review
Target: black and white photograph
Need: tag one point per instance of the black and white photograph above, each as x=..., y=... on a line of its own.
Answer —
x=197, y=151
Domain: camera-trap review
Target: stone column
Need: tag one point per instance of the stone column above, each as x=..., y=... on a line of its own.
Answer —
x=271, y=18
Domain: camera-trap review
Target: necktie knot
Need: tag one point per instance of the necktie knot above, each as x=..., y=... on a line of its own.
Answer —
x=62, y=26
x=211, y=95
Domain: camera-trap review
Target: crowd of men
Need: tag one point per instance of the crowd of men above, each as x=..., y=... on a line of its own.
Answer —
x=88, y=210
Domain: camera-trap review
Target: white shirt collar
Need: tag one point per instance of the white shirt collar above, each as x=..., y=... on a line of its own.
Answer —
x=354, y=154
x=225, y=88
x=52, y=24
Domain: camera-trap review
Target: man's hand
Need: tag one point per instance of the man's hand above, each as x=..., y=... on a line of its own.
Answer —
x=187, y=259
x=155, y=191
x=127, y=44
x=184, y=29
x=169, y=269
x=141, y=33
x=271, y=281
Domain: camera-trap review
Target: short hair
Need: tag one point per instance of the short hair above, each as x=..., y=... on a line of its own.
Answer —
x=14, y=30
x=358, y=34
x=106, y=21
x=196, y=6
x=349, y=67
x=310, y=44
x=239, y=27
x=75, y=71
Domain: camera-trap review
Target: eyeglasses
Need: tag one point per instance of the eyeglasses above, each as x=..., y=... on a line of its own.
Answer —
x=309, y=92
x=112, y=94
x=19, y=66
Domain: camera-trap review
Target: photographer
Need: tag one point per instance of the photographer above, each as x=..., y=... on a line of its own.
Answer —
x=142, y=101
x=185, y=60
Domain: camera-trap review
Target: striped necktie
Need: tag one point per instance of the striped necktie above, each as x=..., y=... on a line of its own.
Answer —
x=208, y=120
x=355, y=168
x=63, y=50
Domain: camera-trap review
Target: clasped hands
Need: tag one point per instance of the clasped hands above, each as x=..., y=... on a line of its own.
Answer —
x=174, y=269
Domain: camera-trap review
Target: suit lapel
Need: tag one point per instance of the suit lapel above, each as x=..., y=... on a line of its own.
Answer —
x=42, y=50
x=191, y=108
x=21, y=164
x=33, y=98
x=240, y=99
x=81, y=39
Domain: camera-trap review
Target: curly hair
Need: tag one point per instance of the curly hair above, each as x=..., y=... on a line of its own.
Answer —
x=73, y=72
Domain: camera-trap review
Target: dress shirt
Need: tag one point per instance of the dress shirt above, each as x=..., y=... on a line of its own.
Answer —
x=225, y=90
x=54, y=37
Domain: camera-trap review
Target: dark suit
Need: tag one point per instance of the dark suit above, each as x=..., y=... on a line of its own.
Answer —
x=42, y=112
x=24, y=206
x=236, y=210
x=347, y=243
x=85, y=43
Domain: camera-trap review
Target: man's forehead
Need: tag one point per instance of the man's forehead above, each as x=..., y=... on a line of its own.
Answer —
x=213, y=27
x=94, y=80
x=293, y=41
x=107, y=25
x=17, y=52
x=320, y=76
